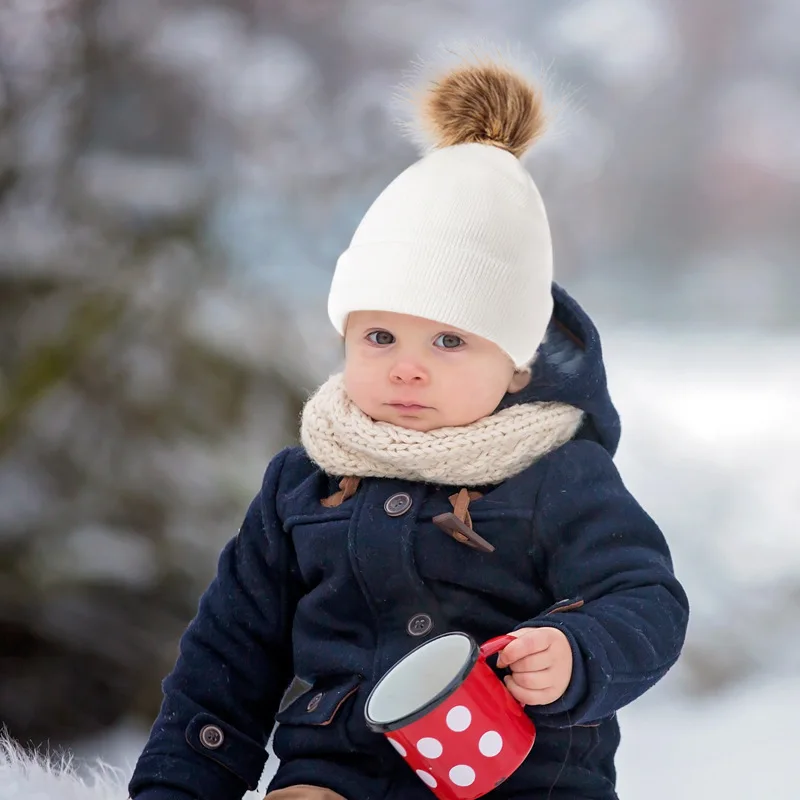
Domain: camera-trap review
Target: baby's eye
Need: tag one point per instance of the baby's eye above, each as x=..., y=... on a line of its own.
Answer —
x=380, y=337
x=449, y=341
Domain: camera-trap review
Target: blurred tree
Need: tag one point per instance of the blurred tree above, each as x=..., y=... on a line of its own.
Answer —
x=132, y=432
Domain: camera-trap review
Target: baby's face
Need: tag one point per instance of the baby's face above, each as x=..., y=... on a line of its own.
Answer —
x=420, y=374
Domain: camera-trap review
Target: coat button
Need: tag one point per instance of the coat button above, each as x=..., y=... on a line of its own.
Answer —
x=313, y=703
x=397, y=504
x=211, y=736
x=419, y=625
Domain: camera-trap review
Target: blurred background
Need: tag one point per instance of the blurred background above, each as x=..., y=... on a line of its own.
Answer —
x=177, y=179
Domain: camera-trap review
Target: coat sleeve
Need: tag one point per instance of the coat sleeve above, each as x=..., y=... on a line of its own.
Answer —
x=609, y=567
x=234, y=664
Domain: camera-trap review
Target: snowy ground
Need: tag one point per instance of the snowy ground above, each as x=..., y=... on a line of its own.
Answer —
x=711, y=438
x=743, y=746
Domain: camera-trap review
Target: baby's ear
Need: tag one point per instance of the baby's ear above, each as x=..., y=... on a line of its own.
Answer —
x=519, y=380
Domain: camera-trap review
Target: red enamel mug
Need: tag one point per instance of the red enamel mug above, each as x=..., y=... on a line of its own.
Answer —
x=451, y=718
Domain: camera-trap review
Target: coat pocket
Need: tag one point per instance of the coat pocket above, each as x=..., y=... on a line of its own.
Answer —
x=320, y=704
x=316, y=722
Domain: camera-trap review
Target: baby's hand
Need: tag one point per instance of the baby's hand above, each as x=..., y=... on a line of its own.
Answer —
x=541, y=663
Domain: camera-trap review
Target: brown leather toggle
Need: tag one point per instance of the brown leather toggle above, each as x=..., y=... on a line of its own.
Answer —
x=458, y=523
x=347, y=488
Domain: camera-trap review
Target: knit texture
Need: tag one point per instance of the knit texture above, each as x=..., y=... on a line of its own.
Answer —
x=343, y=440
x=462, y=238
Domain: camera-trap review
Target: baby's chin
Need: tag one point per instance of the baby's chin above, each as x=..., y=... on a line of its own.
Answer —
x=422, y=421
x=423, y=426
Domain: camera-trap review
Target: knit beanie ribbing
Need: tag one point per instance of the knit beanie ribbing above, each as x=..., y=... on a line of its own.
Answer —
x=461, y=236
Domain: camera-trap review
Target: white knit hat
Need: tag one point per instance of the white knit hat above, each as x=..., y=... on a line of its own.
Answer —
x=461, y=236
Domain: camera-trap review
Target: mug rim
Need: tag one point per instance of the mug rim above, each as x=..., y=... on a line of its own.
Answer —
x=437, y=699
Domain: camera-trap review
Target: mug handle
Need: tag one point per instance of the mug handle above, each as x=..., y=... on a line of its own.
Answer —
x=495, y=645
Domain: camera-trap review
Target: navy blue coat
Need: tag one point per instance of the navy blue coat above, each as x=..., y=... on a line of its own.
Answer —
x=337, y=595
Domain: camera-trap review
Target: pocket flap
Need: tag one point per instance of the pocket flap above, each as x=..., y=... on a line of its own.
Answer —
x=568, y=604
x=319, y=704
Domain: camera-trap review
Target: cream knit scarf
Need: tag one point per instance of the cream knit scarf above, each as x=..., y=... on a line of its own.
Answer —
x=344, y=441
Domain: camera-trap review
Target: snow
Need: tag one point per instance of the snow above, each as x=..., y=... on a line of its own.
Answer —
x=711, y=420
x=741, y=747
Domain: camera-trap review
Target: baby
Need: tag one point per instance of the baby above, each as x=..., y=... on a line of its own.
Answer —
x=457, y=476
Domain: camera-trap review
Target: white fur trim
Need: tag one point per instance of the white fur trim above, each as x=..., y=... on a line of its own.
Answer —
x=29, y=776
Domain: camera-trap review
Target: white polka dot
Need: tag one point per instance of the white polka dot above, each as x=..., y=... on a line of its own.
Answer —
x=430, y=748
x=462, y=775
x=426, y=777
x=491, y=743
x=458, y=718
x=397, y=746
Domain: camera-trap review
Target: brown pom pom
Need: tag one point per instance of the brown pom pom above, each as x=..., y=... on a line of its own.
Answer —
x=483, y=102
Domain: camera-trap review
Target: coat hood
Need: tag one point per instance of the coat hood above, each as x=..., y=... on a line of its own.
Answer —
x=569, y=369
